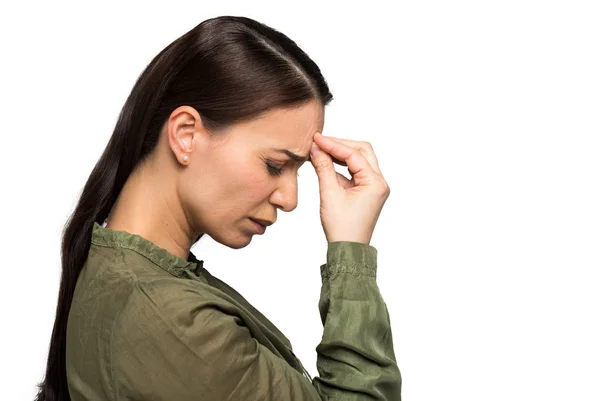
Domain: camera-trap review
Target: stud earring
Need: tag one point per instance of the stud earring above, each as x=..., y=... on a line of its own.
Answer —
x=185, y=158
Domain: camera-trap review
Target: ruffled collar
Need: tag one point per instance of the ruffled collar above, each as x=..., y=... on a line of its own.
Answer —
x=104, y=236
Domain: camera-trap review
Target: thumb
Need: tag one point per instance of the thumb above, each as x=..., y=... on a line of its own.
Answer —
x=323, y=165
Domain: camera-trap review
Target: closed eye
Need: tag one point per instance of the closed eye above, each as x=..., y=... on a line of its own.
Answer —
x=276, y=171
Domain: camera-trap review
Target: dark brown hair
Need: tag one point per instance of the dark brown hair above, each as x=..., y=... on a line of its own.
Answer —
x=230, y=69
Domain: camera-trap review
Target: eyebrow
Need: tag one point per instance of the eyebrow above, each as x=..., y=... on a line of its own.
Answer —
x=293, y=156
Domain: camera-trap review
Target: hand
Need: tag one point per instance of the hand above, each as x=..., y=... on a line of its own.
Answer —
x=349, y=208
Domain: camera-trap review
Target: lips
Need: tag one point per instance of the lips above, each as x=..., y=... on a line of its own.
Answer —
x=264, y=223
x=260, y=229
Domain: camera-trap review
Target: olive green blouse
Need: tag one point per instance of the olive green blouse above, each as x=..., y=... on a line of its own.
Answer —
x=147, y=325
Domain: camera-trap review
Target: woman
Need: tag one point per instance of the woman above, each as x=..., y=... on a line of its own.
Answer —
x=209, y=142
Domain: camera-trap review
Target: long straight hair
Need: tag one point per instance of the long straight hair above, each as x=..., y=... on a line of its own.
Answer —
x=230, y=69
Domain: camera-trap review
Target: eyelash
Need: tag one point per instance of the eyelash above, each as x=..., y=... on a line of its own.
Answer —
x=275, y=170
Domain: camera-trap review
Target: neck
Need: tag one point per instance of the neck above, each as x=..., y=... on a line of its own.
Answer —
x=142, y=208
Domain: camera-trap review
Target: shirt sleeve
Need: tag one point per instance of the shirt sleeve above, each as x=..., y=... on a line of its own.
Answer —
x=168, y=350
x=355, y=358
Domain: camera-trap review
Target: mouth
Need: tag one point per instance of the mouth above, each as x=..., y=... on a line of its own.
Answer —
x=260, y=228
x=262, y=222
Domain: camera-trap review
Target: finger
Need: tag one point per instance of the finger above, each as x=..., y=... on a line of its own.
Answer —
x=364, y=147
x=336, y=161
x=352, y=156
x=323, y=165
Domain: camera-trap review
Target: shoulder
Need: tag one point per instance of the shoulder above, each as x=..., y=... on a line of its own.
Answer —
x=168, y=336
x=126, y=290
x=173, y=300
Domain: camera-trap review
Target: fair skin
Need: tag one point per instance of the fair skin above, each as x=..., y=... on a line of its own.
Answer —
x=224, y=182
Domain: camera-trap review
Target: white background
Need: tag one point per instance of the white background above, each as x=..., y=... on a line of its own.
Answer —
x=485, y=117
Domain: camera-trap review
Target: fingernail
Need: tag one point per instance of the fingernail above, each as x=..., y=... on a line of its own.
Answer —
x=314, y=150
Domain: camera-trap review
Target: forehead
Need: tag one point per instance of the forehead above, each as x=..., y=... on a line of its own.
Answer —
x=292, y=128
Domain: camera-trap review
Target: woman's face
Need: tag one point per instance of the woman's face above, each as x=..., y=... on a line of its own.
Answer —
x=239, y=175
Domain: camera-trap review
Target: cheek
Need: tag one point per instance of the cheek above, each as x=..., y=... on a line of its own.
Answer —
x=257, y=186
x=240, y=180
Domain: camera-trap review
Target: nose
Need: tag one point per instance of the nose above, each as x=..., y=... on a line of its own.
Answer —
x=285, y=196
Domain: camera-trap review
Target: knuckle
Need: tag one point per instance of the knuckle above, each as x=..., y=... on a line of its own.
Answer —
x=367, y=149
x=357, y=151
x=321, y=165
x=385, y=188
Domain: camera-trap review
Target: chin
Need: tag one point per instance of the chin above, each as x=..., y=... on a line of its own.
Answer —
x=237, y=242
x=238, y=245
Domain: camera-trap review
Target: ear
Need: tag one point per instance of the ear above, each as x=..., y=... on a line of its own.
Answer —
x=184, y=129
